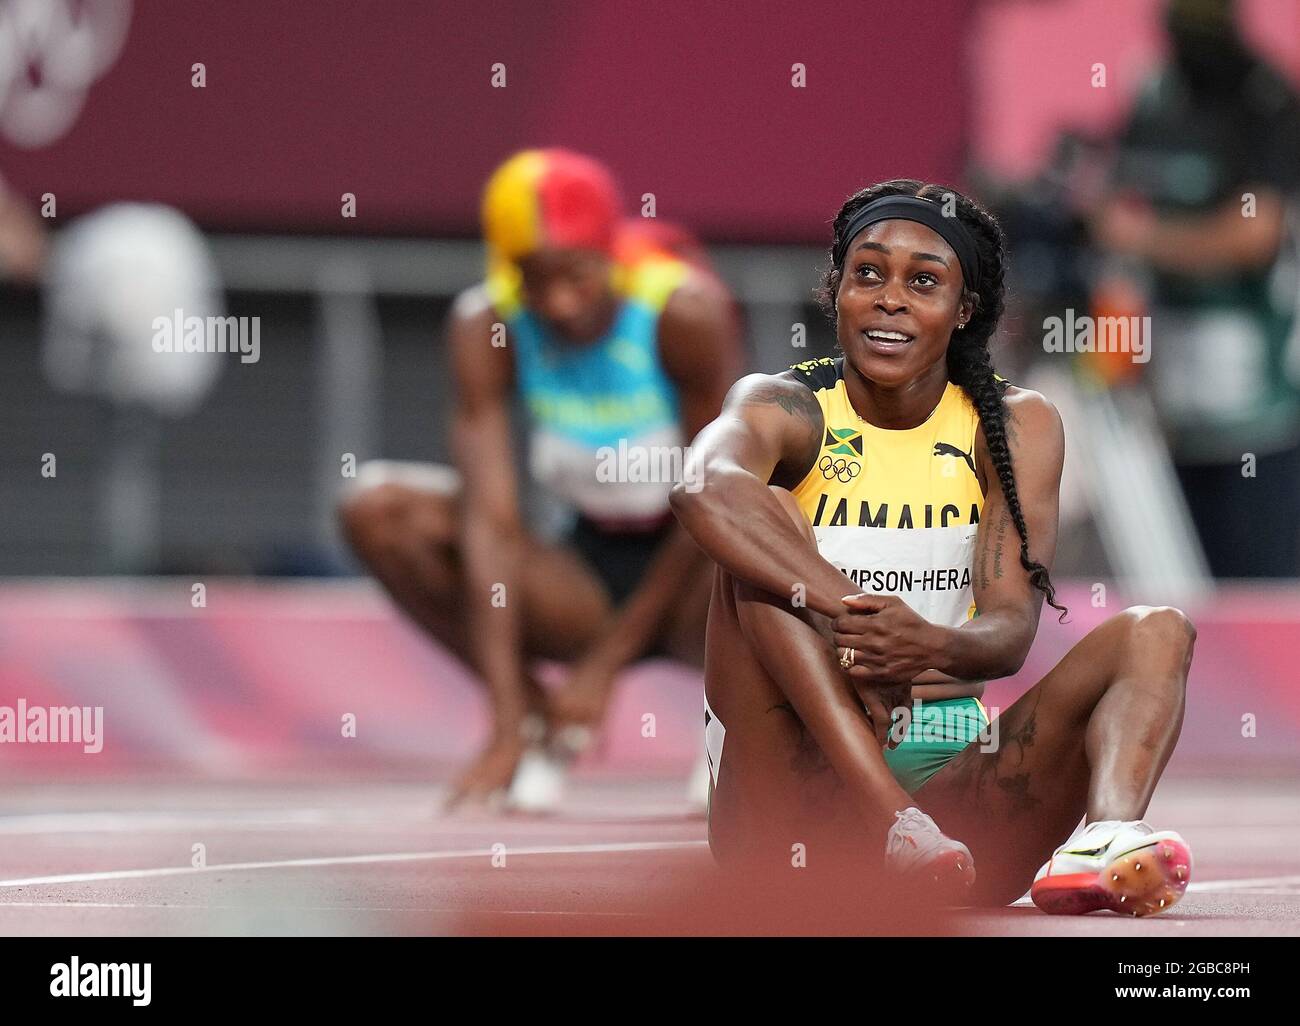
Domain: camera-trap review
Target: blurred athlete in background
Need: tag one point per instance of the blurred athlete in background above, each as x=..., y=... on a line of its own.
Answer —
x=621, y=346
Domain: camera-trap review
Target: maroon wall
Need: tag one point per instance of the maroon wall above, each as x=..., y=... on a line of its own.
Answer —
x=392, y=101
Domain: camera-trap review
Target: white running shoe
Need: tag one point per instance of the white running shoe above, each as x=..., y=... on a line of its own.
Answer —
x=538, y=784
x=1124, y=866
x=915, y=847
x=542, y=775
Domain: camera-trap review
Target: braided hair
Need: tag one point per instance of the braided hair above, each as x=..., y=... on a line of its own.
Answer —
x=970, y=366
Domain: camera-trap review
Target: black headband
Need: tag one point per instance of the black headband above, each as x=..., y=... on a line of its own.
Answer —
x=909, y=208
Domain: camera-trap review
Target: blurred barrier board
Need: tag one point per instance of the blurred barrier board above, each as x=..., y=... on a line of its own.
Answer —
x=327, y=676
x=276, y=136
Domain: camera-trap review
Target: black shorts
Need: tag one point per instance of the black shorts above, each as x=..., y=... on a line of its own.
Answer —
x=619, y=558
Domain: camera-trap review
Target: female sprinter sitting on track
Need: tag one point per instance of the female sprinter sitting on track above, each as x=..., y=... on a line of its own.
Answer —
x=908, y=466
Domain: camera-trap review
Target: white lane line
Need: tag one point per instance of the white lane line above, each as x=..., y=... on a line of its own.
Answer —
x=352, y=860
x=426, y=816
x=1291, y=892
x=304, y=908
x=135, y=822
x=1244, y=884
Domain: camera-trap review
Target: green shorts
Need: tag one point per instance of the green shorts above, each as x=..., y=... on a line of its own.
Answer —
x=938, y=732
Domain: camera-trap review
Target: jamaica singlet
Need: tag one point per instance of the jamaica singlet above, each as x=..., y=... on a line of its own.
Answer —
x=896, y=511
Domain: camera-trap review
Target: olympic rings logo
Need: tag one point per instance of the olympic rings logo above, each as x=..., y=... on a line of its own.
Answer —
x=840, y=469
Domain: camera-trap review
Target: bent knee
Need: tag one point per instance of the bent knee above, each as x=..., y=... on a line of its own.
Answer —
x=1164, y=626
x=368, y=513
x=791, y=506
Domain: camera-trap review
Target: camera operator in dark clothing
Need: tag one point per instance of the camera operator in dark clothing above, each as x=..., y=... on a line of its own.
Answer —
x=1206, y=176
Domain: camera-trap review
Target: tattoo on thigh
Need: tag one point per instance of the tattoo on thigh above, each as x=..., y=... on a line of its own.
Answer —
x=1001, y=769
x=1016, y=790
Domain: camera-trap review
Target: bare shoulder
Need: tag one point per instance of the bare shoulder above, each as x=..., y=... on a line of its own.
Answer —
x=1026, y=398
x=698, y=337
x=698, y=297
x=480, y=365
x=1035, y=440
x=781, y=418
x=782, y=391
x=471, y=320
x=471, y=306
x=1032, y=418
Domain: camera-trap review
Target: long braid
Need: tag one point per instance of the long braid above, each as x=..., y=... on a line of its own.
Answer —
x=970, y=364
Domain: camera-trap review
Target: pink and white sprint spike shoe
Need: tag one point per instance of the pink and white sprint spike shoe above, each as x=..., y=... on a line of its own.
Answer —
x=1124, y=866
x=916, y=849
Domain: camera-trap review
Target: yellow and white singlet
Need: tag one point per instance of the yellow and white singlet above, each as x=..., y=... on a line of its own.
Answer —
x=897, y=512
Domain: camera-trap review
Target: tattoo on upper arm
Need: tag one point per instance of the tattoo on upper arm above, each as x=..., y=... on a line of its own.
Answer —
x=798, y=402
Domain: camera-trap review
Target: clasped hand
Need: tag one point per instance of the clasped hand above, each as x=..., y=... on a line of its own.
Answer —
x=892, y=644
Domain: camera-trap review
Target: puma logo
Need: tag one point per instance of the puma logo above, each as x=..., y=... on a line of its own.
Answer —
x=944, y=449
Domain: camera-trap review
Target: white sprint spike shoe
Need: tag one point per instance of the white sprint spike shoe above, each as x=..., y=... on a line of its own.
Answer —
x=916, y=848
x=1124, y=866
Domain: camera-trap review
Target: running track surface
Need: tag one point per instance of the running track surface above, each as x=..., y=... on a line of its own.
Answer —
x=114, y=857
